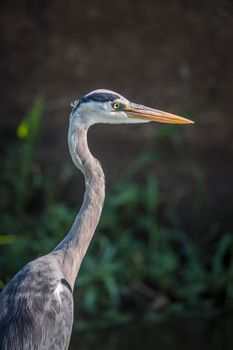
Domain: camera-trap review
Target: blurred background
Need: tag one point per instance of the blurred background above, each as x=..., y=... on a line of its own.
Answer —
x=161, y=262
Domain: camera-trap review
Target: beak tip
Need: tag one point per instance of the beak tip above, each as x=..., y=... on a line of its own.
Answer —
x=188, y=121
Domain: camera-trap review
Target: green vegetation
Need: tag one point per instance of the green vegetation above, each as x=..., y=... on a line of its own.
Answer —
x=135, y=266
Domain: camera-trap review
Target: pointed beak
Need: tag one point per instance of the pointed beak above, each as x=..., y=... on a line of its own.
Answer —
x=134, y=110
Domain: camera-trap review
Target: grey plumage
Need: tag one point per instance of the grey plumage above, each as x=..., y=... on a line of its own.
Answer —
x=29, y=308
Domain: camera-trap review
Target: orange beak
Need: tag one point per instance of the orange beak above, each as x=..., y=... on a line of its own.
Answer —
x=134, y=110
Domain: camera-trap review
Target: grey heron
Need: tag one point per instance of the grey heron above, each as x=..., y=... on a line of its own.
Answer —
x=36, y=306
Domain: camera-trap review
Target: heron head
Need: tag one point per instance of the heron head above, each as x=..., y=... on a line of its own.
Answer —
x=105, y=106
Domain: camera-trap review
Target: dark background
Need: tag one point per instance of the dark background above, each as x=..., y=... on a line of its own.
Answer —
x=172, y=55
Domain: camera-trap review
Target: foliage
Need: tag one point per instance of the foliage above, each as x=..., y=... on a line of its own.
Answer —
x=139, y=267
x=31, y=216
x=135, y=264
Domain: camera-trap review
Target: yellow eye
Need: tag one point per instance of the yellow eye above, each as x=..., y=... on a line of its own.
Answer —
x=116, y=105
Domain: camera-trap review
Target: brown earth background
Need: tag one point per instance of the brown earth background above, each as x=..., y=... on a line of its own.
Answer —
x=172, y=55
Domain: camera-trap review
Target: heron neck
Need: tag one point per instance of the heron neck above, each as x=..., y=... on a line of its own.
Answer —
x=74, y=246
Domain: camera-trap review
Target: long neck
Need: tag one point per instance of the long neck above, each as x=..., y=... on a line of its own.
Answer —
x=74, y=246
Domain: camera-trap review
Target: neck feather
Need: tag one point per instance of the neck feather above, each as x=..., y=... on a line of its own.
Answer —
x=74, y=246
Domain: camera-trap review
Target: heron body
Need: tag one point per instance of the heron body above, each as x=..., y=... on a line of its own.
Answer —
x=36, y=307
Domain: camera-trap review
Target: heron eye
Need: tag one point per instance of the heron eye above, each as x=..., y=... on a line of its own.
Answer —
x=116, y=105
